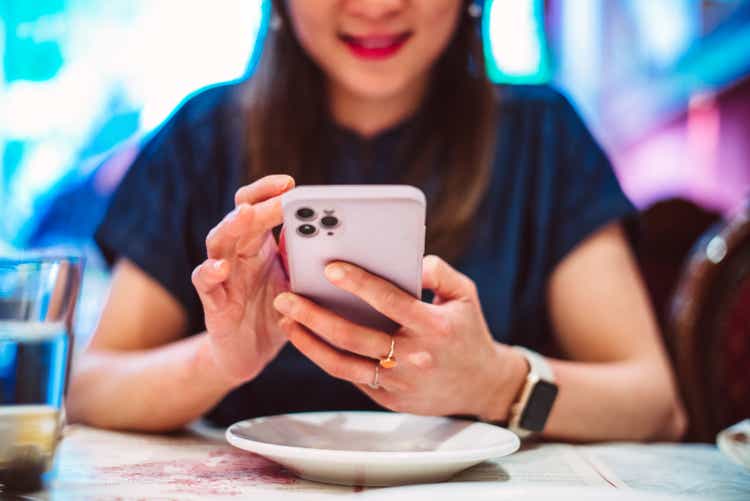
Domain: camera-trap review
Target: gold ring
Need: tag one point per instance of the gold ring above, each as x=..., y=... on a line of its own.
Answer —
x=389, y=362
x=375, y=379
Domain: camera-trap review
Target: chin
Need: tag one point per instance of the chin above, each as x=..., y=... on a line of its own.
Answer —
x=375, y=87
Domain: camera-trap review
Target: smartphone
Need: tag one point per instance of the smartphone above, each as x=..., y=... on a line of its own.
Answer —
x=380, y=228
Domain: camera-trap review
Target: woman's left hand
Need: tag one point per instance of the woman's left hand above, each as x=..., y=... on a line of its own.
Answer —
x=446, y=360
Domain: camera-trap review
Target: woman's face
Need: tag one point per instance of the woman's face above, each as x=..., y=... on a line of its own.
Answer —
x=375, y=49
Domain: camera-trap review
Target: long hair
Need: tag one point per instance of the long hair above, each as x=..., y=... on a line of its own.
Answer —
x=449, y=147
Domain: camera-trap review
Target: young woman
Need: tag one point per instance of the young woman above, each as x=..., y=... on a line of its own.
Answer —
x=521, y=200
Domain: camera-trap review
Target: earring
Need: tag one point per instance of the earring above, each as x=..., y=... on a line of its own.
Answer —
x=474, y=10
x=276, y=22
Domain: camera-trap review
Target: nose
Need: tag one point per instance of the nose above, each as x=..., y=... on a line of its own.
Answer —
x=375, y=9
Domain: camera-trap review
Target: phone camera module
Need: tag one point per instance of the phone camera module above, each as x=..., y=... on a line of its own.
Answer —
x=307, y=230
x=305, y=213
x=329, y=221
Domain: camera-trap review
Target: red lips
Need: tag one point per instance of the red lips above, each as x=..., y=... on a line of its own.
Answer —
x=375, y=46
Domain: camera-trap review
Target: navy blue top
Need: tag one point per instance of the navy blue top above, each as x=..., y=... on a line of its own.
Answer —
x=551, y=187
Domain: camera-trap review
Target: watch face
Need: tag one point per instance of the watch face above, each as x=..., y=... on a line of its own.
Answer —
x=538, y=406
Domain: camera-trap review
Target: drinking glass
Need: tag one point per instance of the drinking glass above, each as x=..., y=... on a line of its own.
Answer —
x=38, y=297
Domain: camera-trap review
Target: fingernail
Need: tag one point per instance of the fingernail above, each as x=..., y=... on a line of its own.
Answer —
x=243, y=209
x=283, y=302
x=289, y=183
x=335, y=272
x=218, y=265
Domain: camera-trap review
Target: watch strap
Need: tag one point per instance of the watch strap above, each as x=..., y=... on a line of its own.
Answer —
x=540, y=372
x=537, y=364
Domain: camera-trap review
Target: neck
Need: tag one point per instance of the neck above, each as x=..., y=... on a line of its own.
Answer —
x=368, y=116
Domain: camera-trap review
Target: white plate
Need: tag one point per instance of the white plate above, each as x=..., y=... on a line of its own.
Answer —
x=372, y=448
x=734, y=443
x=497, y=491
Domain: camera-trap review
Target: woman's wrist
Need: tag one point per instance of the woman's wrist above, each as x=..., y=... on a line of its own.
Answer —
x=507, y=375
x=207, y=369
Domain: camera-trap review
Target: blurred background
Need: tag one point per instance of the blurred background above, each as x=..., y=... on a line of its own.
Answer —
x=663, y=84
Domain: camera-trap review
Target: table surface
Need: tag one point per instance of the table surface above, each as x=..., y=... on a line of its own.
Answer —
x=102, y=465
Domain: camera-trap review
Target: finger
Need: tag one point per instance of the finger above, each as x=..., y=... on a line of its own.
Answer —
x=263, y=189
x=337, y=364
x=208, y=279
x=385, y=397
x=337, y=331
x=243, y=231
x=222, y=239
x=444, y=280
x=265, y=216
x=382, y=295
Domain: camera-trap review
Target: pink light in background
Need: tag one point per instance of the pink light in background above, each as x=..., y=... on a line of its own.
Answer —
x=702, y=130
x=108, y=176
x=702, y=156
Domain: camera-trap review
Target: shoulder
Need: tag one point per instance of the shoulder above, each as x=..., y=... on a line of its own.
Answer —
x=541, y=135
x=532, y=99
x=539, y=114
x=207, y=124
x=529, y=95
x=208, y=107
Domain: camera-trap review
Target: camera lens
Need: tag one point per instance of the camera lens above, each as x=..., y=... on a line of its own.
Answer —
x=307, y=230
x=305, y=213
x=329, y=221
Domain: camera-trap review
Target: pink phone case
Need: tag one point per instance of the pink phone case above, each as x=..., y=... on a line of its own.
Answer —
x=379, y=228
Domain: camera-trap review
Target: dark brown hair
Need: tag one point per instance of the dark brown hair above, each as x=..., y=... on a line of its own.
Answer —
x=449, y=145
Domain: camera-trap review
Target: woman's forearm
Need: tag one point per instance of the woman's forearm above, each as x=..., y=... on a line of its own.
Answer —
x=627, y=400
x=157, y=389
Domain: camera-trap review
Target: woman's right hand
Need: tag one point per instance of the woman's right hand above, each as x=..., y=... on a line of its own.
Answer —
x=240, y=279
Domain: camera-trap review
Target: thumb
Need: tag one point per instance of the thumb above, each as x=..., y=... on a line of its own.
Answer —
x=444, y=280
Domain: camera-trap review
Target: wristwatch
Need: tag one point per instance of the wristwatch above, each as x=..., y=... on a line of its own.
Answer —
x=529, y=413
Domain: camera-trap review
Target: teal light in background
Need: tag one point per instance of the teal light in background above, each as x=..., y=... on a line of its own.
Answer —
x=662, y=43
x=264, y=22
x=80, y=77
x=515, y=44
x=38, y=56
